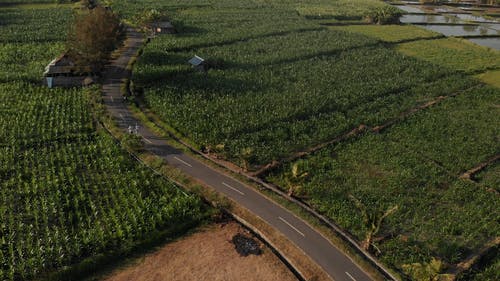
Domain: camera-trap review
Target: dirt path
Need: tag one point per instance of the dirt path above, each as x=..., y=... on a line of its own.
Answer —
x=206, y=255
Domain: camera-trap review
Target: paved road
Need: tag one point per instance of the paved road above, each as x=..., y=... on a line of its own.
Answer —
x=334, y=262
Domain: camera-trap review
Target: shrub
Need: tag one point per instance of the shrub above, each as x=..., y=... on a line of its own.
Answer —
x=384, y=15
x=133, y=142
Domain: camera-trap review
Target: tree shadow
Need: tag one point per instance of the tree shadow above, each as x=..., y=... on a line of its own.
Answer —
x=184, y=30
x=242, y=39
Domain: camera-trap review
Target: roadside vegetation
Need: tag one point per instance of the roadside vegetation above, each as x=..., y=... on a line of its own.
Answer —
x=264, y=102
x=71, y=199
x=364, y=123
x=414, y=165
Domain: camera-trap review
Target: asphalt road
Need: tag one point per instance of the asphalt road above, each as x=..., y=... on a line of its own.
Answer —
x=334, y=262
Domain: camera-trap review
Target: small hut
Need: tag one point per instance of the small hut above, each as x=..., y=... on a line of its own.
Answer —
x=61, y=72
x=163, y=27
x=198, y=63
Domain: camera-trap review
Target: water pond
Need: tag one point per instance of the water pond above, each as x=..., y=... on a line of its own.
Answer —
x=493, y=43
x=410, y=9
x=462, y=30
x=428, y=19
x=469, y=17
x=451, y=22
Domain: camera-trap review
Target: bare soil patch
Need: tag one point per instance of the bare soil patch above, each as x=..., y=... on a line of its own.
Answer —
x=207, y=255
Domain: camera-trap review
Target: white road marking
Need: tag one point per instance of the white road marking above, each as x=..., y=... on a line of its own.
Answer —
x=233, y=188
x=183, y=162
x=112, y=100
x=350, y=276
x=121, y=116
x=290, y=225
x=147, y=140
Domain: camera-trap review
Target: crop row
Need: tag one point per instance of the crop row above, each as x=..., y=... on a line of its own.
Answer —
x=414, y=165
x=34, y=25
x=340, y=9
x=68, y=193
x=46, y=114
x=67, y=202
x=29, y=40
x=273, y=100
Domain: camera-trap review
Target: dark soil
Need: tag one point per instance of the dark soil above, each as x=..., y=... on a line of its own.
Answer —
x=246, y=245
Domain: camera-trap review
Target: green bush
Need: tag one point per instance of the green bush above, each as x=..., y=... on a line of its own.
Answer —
x=384, y=15
x=133, y=142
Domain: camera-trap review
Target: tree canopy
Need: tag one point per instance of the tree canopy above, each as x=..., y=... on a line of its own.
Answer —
x=94, y=34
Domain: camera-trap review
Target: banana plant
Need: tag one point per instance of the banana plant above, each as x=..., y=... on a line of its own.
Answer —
x=372, y=220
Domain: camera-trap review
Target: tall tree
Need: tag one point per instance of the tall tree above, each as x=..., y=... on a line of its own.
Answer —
x=93, y=36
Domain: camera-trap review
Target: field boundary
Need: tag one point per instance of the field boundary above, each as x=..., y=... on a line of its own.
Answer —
x=261, y=236
x=186, y=191
x=354, y=133
x=344, y=235
x=467, y=263
x=286, y=261
x=274, y=164
x=469, y=174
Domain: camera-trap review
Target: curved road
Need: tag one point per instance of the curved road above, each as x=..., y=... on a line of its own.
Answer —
x=334, y=262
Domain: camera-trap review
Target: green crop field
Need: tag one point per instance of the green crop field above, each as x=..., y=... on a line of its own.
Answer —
x=280, y=82
x=69, y=195
x=415, y=165
x=272, y=101
x=454, y=53
x=390, y=33
x=338, y=10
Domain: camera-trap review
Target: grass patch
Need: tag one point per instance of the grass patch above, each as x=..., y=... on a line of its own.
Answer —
x=414, y=165
x=453, y=53
x=490, y=177
x=389, y=33
x=491, y=77
x=340, y=9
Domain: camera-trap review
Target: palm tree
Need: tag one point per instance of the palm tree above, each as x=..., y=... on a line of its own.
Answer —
x=372, y=220
x=429, y=271
x=294, y=179
x=245, y=157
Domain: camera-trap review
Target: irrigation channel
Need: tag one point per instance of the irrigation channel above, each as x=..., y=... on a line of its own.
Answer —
x=455, y=21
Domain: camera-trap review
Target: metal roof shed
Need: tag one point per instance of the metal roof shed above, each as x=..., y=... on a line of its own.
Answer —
x=198, y=63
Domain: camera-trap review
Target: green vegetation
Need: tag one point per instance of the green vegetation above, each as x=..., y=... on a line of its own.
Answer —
x=29, y=40
x=490, y=177
x=283, y=83
x=427, y=271
x=490, y=77
x=68, y=192
x=390, y=33
x=274, y=101
x=383, y=15
x=278, y=83
x=32, y=3
x=94, y=34
x=415, y=165
x=70, y=197
x=346, y=9
x=491, y=272
x=453, y=53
